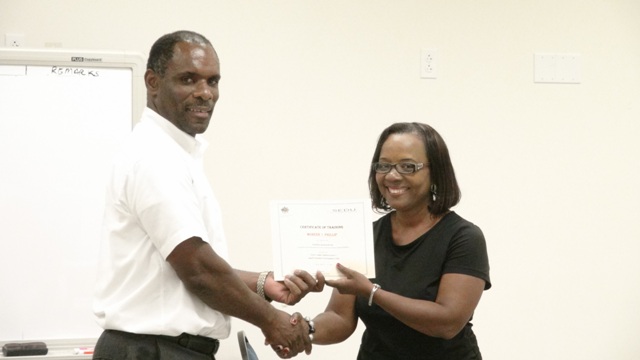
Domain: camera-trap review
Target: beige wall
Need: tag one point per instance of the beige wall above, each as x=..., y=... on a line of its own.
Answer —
x=550, y=172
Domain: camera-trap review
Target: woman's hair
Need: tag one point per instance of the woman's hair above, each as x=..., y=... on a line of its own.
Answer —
x=162, y=50
x=441, y=170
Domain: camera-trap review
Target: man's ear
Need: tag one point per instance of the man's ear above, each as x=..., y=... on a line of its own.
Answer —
x=151, y=80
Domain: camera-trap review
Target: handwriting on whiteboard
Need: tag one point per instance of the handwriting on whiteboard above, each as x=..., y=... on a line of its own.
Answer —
x=61, y=70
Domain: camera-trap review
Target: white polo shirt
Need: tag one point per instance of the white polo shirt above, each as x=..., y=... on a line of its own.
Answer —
x=157, y=197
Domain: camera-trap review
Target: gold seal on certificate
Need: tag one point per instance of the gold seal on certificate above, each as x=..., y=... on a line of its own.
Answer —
x=316, y=235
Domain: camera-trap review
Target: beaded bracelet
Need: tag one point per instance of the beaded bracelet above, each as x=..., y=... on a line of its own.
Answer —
x=312, y=327
x=262, y=279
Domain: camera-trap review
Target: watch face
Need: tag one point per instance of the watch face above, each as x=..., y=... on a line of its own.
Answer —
x=246, y=350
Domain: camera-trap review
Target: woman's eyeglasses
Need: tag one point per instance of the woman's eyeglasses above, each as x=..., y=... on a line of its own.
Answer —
x=401, y=168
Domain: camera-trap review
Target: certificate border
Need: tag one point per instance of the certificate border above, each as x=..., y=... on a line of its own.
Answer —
x=364, y=204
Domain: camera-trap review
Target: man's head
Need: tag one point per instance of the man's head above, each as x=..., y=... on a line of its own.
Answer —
x=182, y=78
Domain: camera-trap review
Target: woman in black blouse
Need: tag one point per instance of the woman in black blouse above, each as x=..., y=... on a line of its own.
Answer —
x=431, y=264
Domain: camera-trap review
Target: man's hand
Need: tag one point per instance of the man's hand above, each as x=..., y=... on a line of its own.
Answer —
x=294, y=287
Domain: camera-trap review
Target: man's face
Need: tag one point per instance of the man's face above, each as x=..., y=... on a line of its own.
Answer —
x=188, y=91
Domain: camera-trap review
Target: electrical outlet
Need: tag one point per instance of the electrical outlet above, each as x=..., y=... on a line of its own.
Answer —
x=428, y=63
x=14, y=40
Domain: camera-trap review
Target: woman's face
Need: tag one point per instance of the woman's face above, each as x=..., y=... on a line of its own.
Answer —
x=405, y=192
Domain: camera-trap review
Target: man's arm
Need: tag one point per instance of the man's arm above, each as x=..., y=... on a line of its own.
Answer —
x=290, y=291
x=211, y=278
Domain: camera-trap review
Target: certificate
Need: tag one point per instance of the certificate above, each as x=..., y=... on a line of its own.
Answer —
x=316, y=235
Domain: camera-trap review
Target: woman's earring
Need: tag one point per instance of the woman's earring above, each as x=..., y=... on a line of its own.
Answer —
x=434, y=192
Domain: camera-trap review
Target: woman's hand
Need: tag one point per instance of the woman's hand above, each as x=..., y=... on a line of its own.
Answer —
x=354, y=283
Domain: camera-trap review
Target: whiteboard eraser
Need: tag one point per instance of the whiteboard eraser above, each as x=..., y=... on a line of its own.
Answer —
x=25, y=349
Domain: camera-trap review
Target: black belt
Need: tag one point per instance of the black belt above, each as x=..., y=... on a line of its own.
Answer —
x=201, y=344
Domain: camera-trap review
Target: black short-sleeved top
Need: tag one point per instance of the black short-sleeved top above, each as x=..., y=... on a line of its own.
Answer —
x=453, y=245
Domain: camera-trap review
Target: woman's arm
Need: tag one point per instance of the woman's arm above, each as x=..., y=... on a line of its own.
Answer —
x=337, y=322
x=458, y=296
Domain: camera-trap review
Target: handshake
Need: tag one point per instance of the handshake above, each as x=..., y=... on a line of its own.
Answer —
x=302, y=330
x=288, y=335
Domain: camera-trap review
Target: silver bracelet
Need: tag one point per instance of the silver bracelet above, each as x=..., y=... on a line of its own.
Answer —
x=312, y=327
x=373, y=291
x=262, y=279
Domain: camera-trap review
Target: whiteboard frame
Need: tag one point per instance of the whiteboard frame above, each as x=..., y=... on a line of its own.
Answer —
x=86, y=58
x=81, y=59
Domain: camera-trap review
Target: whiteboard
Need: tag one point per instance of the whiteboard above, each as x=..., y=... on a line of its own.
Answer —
x=62, y=113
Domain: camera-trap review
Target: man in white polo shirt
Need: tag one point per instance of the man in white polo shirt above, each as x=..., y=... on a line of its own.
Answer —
x=165, y=289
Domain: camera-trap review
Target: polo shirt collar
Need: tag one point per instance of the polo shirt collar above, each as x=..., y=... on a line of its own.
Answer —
x=192, y=145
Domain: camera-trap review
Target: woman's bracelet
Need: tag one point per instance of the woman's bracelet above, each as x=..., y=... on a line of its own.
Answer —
x=375, y=288
x=262, y=279
x=312, y=327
